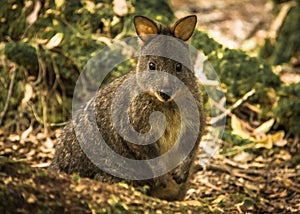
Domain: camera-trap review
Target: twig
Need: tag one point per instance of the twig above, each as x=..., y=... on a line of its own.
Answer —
x=45, y=115
x=58, y=80
x=213, y=167
x=277, y=23
x=58, y=124
x=9, y=94
x=35, y=114
x=229, y=110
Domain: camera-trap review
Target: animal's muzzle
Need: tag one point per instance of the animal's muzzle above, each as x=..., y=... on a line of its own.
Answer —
x=165, y=94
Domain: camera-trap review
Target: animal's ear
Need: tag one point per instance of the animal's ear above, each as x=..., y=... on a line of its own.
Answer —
x=184, y=27
x=145, y=27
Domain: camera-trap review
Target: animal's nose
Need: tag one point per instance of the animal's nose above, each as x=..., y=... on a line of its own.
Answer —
x=166, y=93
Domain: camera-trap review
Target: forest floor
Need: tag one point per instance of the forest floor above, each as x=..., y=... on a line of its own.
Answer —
x=266, y=180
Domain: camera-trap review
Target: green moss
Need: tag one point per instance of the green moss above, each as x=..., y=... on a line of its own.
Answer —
x=13, y=15
x=23, y=54
x=238, y=72
x=161, y=11
x=288, y=108
x=76, y=178
x=203, y=42
x=241, y=73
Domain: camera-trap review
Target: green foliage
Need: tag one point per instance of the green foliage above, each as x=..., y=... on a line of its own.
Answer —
x=76, y=178
x=13, y=15
x=241, y=73
x=238, y=72
x=158, y=11
x=288, y=108
x=202, y=41
x=23, y=54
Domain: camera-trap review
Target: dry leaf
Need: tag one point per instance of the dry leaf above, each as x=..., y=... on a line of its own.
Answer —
x=278, y=139
x=264, y=142
x=265, y=127
x=237, y=128
x=47, y=146
x=90, y=6
x=28, y=94
x=25, y=134
x=288, y=182
x=54, y=41
x=35, y=13
x=192, y=203
x=267, y=141
x=279, y=194
x=284, y=155
x=41, y=165
x=219, y=199
x=13, y=137
x=120, y=7
x=31, y=199
x=281, y=143
x=243, y=157
x=59, y=3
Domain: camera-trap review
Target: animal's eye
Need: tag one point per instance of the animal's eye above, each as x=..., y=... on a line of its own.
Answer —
x=178, y=67
x=152, y=66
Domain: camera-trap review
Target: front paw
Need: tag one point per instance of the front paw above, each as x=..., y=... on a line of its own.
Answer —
x=180, y=175
x=161, y=182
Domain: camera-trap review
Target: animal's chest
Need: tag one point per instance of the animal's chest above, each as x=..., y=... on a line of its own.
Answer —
x=160, y=119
